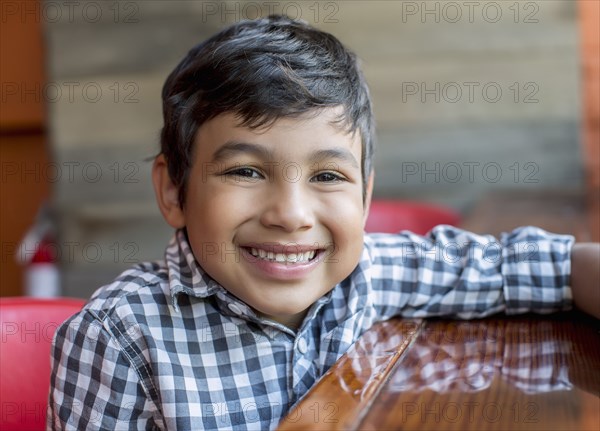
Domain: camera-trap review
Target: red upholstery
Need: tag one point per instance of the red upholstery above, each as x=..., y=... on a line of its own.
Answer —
x=393, y=216
x=27, y=326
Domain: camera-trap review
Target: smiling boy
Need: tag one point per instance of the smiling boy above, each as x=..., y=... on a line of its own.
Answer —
x=265, y=198
x=265, y=173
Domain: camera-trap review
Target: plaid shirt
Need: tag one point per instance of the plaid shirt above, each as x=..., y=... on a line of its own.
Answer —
x=165, y=347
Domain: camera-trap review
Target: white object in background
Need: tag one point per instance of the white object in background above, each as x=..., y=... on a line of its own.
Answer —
x=38, y=254
x=42, y=280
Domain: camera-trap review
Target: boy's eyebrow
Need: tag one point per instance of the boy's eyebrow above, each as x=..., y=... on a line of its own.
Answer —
x=341, y=154
x=231, y=148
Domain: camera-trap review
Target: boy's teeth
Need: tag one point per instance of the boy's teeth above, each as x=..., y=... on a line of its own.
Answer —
x=282, y=257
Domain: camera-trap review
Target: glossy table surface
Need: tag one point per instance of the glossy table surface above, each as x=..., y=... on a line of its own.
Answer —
x=501, y=373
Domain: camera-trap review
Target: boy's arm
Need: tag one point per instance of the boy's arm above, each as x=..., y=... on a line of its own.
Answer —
x=585, y=277
x=93, y=385
x=451, y=272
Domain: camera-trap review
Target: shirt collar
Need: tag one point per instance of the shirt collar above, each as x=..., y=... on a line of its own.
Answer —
x=185, y=275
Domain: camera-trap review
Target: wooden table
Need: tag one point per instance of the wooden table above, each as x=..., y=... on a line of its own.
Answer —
x=502, y=373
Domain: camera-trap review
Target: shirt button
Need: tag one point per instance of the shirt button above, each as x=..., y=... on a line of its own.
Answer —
x=302, y=347
x=235, y=308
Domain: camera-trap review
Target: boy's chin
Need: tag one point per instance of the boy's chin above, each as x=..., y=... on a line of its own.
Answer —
x=289, y=316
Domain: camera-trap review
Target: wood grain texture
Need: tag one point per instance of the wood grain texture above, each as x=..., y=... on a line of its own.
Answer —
x=348, y=389
x=522, y=373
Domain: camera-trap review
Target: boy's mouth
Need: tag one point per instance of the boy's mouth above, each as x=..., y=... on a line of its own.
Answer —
x=288, y=254
x=283, y=262
x=300, y=257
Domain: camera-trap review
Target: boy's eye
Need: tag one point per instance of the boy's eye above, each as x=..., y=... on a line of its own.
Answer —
x=248, y=173
x=327, y=177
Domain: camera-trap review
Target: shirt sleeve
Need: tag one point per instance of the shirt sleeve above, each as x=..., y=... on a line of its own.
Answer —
x=455, y=273
x=93, y=385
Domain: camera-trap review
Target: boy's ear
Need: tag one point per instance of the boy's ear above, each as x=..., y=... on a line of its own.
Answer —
x=369, y=194
x=167, y=194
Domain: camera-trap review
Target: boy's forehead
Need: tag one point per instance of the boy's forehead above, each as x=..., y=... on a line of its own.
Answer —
x=325, y=126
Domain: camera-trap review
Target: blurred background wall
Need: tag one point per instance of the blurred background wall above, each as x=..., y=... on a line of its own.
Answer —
x=470, y=97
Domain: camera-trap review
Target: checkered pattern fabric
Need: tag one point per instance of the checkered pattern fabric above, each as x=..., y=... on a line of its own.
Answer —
x=165, y=347
x=467, y=357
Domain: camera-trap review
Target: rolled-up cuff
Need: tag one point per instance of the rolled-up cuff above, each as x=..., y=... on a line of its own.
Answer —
x=536, y=266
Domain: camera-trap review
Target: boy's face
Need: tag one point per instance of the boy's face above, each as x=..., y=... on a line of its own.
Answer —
x=274, y=215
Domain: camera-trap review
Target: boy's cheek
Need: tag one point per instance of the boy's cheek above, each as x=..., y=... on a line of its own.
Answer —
x=343, y=256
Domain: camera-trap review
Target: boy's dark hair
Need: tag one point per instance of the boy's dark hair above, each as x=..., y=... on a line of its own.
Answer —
x=262, y=70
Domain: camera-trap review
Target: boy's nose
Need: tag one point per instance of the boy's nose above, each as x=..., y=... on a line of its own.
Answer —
x=287, y=209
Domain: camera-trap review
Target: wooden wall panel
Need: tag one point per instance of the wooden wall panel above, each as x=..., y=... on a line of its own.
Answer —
x=589, y=12
x=23, y=143
x=24, y=187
